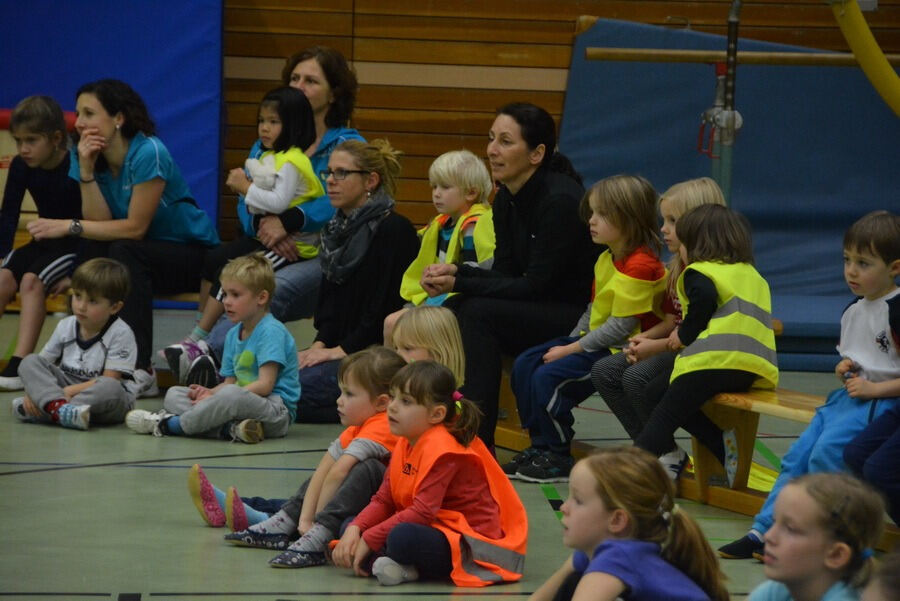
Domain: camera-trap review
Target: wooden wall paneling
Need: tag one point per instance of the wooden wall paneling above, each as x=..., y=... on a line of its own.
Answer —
x=408, y=27
x=279, y=45
x=288, y=21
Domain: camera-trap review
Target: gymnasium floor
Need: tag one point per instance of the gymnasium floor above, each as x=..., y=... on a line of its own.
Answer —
x=105, y=514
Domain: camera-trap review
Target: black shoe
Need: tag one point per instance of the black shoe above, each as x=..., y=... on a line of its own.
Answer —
x=547, y=467
x=203, y=371
x=248, y=538
x=298, y=559
x=742, y=548
x=520, y=460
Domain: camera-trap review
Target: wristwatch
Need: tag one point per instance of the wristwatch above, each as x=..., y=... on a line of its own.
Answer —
x=75, y=228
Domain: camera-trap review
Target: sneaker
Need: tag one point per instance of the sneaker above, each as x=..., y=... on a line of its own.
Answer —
x=300, y=559
x=204, y=497
x=520, y=460
x=77, y=417
x=731, y=456
x=276, y=541
x=547, y=467
x=673, y=462
x=391, y=573
x=180, y=356
x=18, y=410
x=146, y=422
x=11, y=383
x=248, y=431
x=142, y=384
x=235, y=516
x=203, y=371
x=742, y=548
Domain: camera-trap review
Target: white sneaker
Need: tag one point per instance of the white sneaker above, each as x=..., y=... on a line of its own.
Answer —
x=142, y=384
x=11, y=383
x=77, y=417
x=391, y=573
x=673, y=462
x=146, y=422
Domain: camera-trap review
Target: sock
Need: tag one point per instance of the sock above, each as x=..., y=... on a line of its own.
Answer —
x=198, y=316
x=278, y=522
x=254, y=516
x=314, y=541
x=172, y=425
x=198, y=334
x=12, y=368
x=755, y=536
x=53, y=408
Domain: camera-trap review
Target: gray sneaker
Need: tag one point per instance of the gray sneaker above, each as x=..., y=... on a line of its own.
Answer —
x=142, y=384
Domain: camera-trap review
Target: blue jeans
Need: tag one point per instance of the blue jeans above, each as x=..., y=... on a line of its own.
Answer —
x=296, y=296
x=546, y=393
x=875, y=454
x=821, y=446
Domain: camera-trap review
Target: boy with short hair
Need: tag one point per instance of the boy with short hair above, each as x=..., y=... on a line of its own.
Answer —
x=869, y=368
x=78, y=376
x=258, y=398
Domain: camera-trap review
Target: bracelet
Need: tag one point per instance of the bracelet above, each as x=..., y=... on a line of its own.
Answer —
x=85, y=181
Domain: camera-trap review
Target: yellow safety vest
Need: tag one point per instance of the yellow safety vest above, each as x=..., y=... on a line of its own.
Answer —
x=307, y=242
x=410, y=286
x=619, y=295
x=739, y=334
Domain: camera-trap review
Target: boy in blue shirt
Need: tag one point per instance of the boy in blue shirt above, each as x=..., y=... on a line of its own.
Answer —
x=258, y=398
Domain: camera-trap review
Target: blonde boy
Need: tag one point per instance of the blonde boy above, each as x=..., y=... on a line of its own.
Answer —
x=77, y=378
x=258, y=398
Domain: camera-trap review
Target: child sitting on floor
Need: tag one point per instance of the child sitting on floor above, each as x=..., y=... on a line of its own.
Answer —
x=258, y=398
x=77, y=378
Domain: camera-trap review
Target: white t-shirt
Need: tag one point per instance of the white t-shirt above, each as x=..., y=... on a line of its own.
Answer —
x=870, y=336
x=114, y=349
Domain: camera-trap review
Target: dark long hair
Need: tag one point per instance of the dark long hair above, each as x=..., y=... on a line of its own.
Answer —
x=340, y=76
x=538, y=128
x=297, y=125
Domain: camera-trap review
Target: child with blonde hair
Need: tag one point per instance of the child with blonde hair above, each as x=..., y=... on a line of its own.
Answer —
x=622, y=378
x=430, y=333
x=462, y=233
x=551, y=379
x=630, y=538
x=820, y=545
x=445, y=508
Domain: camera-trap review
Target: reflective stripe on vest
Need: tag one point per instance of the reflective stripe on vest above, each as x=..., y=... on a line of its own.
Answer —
x=410, y=286
x=739, y=334
x=307, y=243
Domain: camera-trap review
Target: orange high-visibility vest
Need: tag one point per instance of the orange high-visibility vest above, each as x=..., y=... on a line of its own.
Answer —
x=477, y=560
x=376, y=428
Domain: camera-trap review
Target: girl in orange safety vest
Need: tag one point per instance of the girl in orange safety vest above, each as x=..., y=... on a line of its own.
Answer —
x=445, y=508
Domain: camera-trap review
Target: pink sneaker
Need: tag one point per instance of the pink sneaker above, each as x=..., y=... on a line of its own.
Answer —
x=204, y=497
x=235, y=516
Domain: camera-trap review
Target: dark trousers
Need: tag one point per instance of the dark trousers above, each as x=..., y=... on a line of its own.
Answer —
x=319, y=392
x=155, y=267
x=218, y=257
x=493, y=327
x=680, y=407
x=874, y=455
x=424, y=547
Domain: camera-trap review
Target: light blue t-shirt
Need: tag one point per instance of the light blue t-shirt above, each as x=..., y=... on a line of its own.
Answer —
x=269, y=342
x=638, y=564
x=775, y=591
x=316, y=212
x=178, y=218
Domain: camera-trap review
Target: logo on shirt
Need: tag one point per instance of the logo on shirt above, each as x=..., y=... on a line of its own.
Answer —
x=409, y=470
x=882, y=341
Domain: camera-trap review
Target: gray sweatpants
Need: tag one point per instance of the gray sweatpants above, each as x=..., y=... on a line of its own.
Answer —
x=228, y=404
x=44, y=382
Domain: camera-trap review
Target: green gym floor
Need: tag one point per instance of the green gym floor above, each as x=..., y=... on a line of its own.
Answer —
x=106, y=514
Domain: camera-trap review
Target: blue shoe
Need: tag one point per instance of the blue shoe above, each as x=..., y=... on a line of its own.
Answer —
x=277, y=541
x=77, y=417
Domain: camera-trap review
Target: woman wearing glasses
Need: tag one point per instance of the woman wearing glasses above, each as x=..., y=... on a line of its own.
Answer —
x=364, y=251
x=329, y=84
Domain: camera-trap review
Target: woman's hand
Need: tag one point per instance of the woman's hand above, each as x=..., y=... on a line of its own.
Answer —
x=45, y=229
x=238, y=182
x=90, y=145
x=315, y=355
x=345, y=551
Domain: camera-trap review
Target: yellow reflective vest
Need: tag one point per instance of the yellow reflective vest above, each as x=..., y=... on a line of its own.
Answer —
x=410, y=287
x=739, y=334
x=307, y=242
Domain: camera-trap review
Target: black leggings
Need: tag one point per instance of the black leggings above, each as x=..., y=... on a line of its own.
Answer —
x=680, y=407
x=424, y=547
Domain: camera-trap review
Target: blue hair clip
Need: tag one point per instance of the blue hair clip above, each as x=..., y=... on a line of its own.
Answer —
x=866, y=553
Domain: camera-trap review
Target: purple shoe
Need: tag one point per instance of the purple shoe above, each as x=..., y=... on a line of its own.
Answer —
x=180, y=356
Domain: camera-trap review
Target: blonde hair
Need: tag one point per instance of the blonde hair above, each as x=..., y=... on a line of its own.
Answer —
x=628, y=202
x=372, y=368
x=681, y=198
x=377, y=156
x=429, y=383
x=253, y=271
x=852, y=513
x=436, y=330
x=463, y=170
x=631, y=479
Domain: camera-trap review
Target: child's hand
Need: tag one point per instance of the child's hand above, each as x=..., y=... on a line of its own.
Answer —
x=304, y=526
x=845, y=369
x=197, y=393
x=558, y=352
x=674, y=343
x=30, y=408
x=859, y=388
x=641, y=348
x=362, y=552
x=237, y=181
x=344, y=552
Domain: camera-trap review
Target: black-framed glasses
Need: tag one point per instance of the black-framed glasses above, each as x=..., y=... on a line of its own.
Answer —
x=339, y=174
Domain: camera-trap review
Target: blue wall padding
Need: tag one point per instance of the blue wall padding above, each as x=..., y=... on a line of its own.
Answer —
x=817, y=151
x=169, y=51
